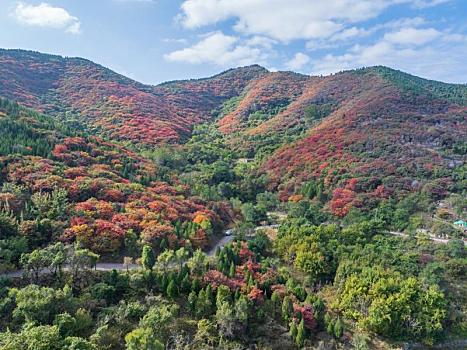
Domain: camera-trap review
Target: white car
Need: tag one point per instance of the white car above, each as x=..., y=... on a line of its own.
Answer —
x=228, y=232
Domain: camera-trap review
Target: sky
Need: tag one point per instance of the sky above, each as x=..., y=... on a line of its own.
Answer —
x=153, y=41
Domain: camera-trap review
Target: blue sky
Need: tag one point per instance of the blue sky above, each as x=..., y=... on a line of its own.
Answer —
x=158, y=40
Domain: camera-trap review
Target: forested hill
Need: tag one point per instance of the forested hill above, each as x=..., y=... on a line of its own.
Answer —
x=111, y=104
x=363, y=136
x=334, y=205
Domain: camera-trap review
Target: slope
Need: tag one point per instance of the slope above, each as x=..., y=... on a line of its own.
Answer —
x=111, y=104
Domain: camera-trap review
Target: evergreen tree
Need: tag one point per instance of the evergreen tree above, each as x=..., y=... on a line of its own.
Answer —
x=172, y=290
x=293, y=330
x=192, y=298
x=148, y=259
x=275, y=299
x=300, y=338
x=195, y=285
x=287, y=308
x=185, y=283
x=232, y=270
x=338, y=328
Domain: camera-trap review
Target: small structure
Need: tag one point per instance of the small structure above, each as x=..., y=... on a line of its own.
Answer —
x=461, y=224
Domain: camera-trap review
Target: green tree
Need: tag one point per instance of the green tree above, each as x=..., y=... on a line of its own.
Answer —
x=147, y=258
x=172, y=289
x=192, y=299
x=40, y=304
x=300, y=338
x=293, y=330
x=287, y=308
x=338, y=328
x=32, y=337
x=197, y=263
x=142, y=339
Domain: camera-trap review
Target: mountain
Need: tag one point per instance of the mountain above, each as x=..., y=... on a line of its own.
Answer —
x=345, y=194
x=111, y=104
x=364, y=135
x=65, y=185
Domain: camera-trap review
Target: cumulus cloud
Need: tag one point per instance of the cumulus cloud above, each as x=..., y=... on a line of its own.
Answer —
x=219, y=49
x=45, y=15
x=291, y=19
x=282, y=20
x=298, y=61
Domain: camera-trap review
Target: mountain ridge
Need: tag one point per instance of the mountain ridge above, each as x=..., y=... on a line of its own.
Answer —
x=329, y=129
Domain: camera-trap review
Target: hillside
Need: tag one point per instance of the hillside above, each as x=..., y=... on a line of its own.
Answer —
x=66, y=186
x=251, y=209
x=111, y=104
x=386, y=132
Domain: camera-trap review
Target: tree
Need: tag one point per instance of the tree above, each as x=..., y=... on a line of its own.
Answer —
x=159, y=319
x=338, y=328
x=142, y=338
x=35, y=262
x=32, y=337
x=172, y=290
x=40, y=304
x=287, y=308
x=181, y=255
x=77, y=343
x=203, y=304
x=225, y=320
x=293, y=330
x=197, y=263
x=223, y=295
x=300, y=338
x=147, y=258
x=276, y=300
x=192, y=298
x=165, y=258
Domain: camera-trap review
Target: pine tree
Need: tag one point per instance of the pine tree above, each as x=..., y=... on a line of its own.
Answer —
x=232, y=270
x=192, y=298
x=287, y=308
x=195, y=285
x=293, y=330
x=300, y=338
x=163, y=245
x=172, y=290
x=209, y=295
x=148, y=259
x=185, y=283
x=338, y=328
x=275, y=299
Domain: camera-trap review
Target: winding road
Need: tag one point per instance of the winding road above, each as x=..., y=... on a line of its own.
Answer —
x=224, y=240
x=109, y=266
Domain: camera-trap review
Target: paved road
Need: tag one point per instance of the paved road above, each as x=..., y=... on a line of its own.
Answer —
x=99, y=267
x=434, y=239
x=222, y=242
x=109, y=266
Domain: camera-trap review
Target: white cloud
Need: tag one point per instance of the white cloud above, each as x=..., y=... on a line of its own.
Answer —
x=220, y=49
x=291, y=19
x=262, y=41
x=407, y=50
x=428, y=3
x=351, y=33
x=412, y=36
x=45, y=15
x=282, y=20
x=298, y=61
